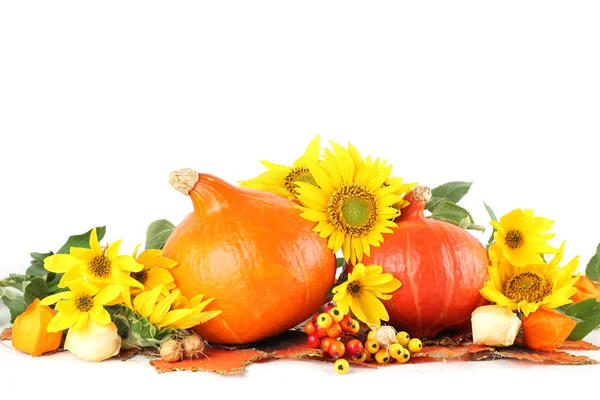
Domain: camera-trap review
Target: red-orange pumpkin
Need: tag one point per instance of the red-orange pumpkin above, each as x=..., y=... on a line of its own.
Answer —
x=252, y=252
x=441, y=266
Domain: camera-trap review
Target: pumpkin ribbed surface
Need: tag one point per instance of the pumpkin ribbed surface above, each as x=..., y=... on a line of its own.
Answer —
x=252, y=252
x=441, y=267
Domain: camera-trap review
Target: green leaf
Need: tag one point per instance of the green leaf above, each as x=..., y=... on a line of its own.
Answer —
x=587, y=315
x=584, y=309
x=491, y=212
x=157, y=234
x=82, y=240
x=37, y=264
x=592, y=270
x=36, y=289
x=433, y=203
x=582, y=329
x=452, y=191
x=53, y=284
x=450, y=212
x=136, y=330
x=339, y=262
x=476, y=227
x=16, y=281
x=16, y=305
x=492, y=215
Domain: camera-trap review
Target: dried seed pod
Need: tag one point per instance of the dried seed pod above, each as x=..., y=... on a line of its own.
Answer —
x=171, y=351
x=385, y=336
x=193, y=346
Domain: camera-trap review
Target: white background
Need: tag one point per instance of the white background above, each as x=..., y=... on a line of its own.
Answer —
x=99, y=101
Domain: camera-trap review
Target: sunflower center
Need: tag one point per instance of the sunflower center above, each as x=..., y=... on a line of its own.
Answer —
x=514, y=239
x=354, y=288
x=84, y=302
x=353, y=209
x=141, y=276
x=100, y=266
x=298, y=174
x=530, y=286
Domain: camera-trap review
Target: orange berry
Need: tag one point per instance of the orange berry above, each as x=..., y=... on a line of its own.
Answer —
x=361, y=357
x=372, y=346
x=382, y=356
x=335, y=330
x=326, y=343
x=309, y=328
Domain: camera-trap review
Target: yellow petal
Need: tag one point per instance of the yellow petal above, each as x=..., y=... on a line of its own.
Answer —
x=100, y=315
x=174, y=316
x=94, y=245
x=61, y=263
x=162, y=308
x=127, y=263
x=144, y=302
x=108, y=294
x=53, y=298
x=61, y=321
x=81, y=320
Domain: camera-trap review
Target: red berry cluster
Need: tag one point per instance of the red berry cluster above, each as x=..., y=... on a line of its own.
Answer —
x=326, y=330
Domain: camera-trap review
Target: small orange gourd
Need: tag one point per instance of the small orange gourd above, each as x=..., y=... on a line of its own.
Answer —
x=252, y=252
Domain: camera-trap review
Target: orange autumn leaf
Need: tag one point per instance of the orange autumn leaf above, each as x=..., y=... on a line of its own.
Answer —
x=6, y=334
x=546, y=329
x=29, y=333
x=586, y=289
x=578, y=345
x=540, y=356
x=232, y=360
x=221, y=361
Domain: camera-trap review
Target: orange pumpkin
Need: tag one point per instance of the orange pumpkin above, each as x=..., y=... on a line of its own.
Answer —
x=441, y=267
x=252, y=252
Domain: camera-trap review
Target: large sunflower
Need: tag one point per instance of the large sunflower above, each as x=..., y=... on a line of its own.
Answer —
x=519, y=237
x=403, y=188
x=350, y=203
x=527, y=288
x=280, y=179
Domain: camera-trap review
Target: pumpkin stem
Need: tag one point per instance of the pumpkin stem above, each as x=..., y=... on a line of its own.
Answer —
x=184, y=180
x=418, y=199
x=422, y=194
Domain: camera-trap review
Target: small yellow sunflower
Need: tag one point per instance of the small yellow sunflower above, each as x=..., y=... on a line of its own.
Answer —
x=362, y=291
x=95, y=265
x=519, y=237
x=159, y=311
x=81, y=302
x=280, y=179
x=527, y=288
x=155, y=271
x=351, y=205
